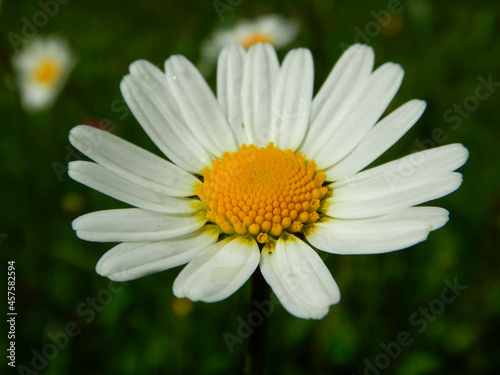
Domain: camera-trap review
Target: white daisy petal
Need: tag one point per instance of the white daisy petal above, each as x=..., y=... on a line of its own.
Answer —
x=349, y=202
x=435, y=217
x=219, y=272
x=133, y=163
x=147, y=96
x=409, y=181
x=299, y=278
x=436, y=160
x=342, y=137
x=288, y=299
x=380, y=234
x=198, y=105
x=259, y=76
x=382, y=136
x=340, y=93
x=229, y=87
x=292, y=99
x=134, y=224
x=131, y=260
x=99, y=178
x=355, y=62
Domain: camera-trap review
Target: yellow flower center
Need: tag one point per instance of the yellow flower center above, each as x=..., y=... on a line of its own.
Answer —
x=249, y=40
x=48, y=72
x=262, y=192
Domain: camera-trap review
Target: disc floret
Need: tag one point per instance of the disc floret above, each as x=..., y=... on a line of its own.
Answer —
x=262, y=192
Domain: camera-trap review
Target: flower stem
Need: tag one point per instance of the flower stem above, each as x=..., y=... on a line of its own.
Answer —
x=256, y=351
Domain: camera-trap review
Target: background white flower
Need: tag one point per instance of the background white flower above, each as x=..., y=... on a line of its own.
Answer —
x=42, y=68
x=270, y=28
x=226, y=209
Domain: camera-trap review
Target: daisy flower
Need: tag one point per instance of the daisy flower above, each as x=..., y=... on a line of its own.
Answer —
x=271, y=28
x=261, y=175
x=42, y=68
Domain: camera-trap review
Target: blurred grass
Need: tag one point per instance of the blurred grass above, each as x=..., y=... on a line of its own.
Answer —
x=444, y=47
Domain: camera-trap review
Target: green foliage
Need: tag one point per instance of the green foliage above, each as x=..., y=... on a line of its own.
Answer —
x=141, y=329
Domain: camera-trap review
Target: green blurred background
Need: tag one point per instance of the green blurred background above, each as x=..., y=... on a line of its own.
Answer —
x=140, y=328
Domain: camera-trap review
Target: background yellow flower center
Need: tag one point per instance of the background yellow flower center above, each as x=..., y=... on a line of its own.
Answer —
x=262, y=191
x=48, y=72
x=249, y=40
